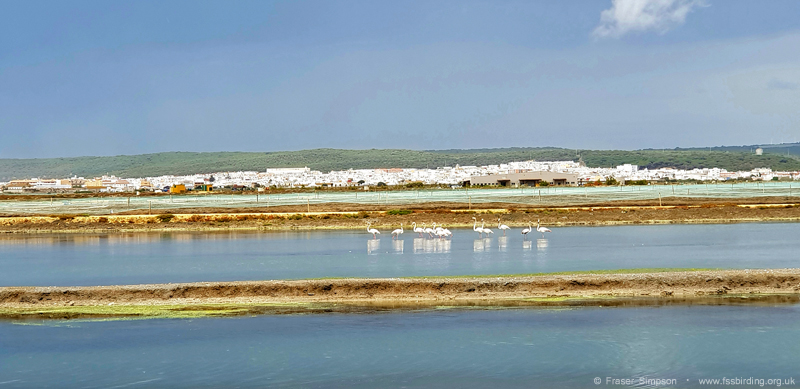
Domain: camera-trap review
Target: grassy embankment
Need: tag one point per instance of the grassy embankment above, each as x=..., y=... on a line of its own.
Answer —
x=620, y=287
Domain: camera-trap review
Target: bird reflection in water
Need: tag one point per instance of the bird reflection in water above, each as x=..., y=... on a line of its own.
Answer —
x=502, y=243
x=431, y=246
x=419, y=245
x=527, y=245
x=373, y=245
x=397, y=245
x=443, y=246
x=541, y=244
x=479, y=245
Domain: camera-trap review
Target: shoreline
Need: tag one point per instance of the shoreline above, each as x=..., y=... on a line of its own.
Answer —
x=633, y=287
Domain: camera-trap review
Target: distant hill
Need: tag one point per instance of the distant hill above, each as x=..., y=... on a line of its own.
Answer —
x=181, y=163
x=788, y=149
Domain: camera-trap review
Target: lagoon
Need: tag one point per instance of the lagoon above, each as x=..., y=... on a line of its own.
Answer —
x=531, y=347
x=91, y=259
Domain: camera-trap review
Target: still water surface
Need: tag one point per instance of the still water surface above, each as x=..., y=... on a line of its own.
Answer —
x=190, y=257
x=434, y=348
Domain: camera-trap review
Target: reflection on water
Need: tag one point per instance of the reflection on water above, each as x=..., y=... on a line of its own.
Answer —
x=478, y=245
x=373, y=245
x=419, y=245
x=135, y=238
x=431, y=246
x=541, y=244
x=502, y=243
x=397, y=245
x=481, y=245
x=527, y=245
x=443, y=246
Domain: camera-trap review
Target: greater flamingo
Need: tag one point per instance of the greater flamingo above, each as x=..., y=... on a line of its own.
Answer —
x=525, y=231
x=447, y=233
x=372, y=231
x=485, y=230
x=438, y=231
x=396, y=233
x=502, y=227
x=541, y=229
x=429, y=230
x=475, y=227
x=418, y=229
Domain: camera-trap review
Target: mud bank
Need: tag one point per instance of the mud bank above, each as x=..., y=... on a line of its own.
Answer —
x=273, y=296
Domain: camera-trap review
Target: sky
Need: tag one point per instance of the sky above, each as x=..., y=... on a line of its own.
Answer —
x=103, y=77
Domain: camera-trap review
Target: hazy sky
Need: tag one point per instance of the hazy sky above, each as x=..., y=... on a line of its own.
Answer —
x=116, y=77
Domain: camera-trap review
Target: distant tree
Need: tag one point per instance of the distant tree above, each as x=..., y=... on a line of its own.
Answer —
x=382, y=183
x=611, y=181
x=211, y=179
x=361, y=182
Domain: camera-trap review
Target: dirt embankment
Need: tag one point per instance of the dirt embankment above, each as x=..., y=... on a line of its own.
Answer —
x=666, y=285
x=355, y=216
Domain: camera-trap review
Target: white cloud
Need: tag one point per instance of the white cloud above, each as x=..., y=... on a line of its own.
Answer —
x=660, y=16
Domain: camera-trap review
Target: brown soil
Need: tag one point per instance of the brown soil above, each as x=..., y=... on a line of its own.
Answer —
x=687, y=284
x=355, y=216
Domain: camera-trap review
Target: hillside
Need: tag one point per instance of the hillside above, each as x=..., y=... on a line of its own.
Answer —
x=333, y=159
x=786, y=149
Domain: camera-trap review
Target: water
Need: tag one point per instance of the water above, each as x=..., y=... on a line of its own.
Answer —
x=190, y=257
x=432, y=348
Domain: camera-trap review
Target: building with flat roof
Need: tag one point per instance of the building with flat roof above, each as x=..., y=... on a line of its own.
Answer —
x=525, y=179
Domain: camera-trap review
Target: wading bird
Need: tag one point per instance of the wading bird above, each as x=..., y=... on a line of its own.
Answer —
x=525, y=231
x=429, y=230
x=541, y=229
x=502, y=227
x=372, y=231
x=396, y=233
x=486, y=230
x=476, y=228
x=417, y=229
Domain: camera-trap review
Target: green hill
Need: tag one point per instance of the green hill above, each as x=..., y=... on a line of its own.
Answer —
x=180, y=163
x=786, y=149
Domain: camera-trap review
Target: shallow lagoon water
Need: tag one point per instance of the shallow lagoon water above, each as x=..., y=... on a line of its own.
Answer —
x=189, y=257
x=429, y=348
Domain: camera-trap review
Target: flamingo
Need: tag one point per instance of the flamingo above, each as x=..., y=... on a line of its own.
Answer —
x=396, y=233
x=372, y=231
x=429, y=230
x=541, y=229
x=502, y=227
x=442, y=232
x=418, y=229
x=476, y=228
x=446, y=232
x=486, y=230
x=525, y=231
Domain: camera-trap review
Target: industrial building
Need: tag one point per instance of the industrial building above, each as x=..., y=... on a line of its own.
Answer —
x=526, y=179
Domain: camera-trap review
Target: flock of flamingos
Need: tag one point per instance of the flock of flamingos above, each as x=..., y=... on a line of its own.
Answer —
x=443, y=233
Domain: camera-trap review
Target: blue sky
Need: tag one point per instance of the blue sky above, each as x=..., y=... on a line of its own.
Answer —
x=115, y=77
